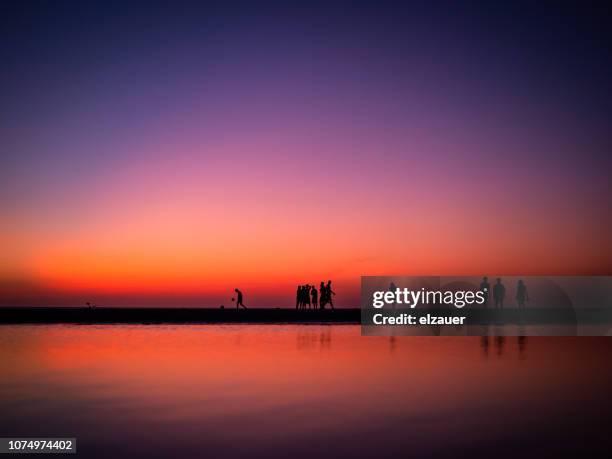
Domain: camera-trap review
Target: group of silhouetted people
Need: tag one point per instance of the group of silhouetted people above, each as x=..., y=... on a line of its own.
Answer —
x=308, y=297
x=499, y=293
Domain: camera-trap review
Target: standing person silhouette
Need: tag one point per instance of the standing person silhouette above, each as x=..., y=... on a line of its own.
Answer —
x=485, y=287
x=314, y=294
x=239, y=299
x=306, y=290
x=302, y=304
x=330, y=292
x=322, y=295
x=298, y=297
x=521, y=294
x=499, y=293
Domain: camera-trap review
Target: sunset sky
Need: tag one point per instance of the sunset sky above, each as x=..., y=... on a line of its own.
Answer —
x=163, y=155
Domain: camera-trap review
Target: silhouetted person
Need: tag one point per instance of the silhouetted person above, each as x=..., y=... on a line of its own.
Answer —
x=315, y=297
x=302, y=295
x=330, y=292
x=485, y=287
x=521, y=294
x=306, y=295
x=499, y=293
x=239, y=299
x=322, y=295
x=298, y=297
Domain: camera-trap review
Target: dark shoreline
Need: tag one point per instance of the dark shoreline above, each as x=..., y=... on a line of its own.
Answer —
x=182, y=315
x=49, y=315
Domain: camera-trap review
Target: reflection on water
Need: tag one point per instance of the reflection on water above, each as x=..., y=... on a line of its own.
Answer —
x=308, y=338
x=522, y=345
x=300, y=391
x=500, y=342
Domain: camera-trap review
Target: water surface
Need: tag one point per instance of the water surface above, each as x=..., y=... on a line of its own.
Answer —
x=301, y=391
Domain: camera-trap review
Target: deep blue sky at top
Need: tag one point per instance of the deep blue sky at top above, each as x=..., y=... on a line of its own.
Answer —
x=132, y=135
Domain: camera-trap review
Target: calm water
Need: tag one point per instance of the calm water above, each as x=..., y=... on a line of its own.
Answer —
x=301, y=391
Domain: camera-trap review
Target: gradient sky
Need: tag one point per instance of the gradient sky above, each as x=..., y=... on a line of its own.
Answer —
x=163, y=154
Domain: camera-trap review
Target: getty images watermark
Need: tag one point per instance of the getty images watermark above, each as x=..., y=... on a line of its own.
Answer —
x=484, y=305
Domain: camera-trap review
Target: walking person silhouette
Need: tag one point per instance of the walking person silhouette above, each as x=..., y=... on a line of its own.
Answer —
x=239, y=299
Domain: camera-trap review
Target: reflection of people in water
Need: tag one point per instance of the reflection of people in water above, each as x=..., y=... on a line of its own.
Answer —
x=521, y=294
x=499, y=344
x=239, y=299
x=499, y=293
x=522, y=345
x=484, y=344
x=485, y=287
